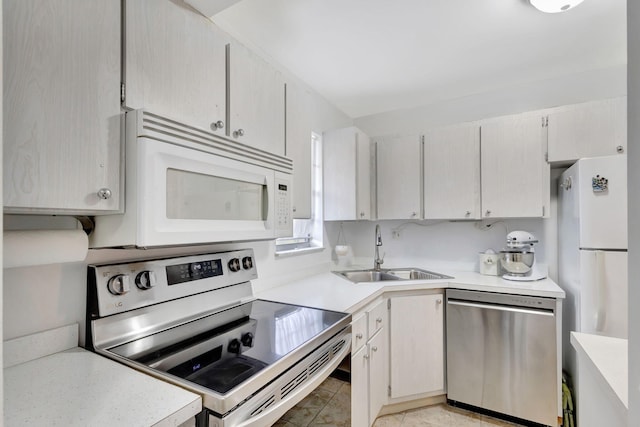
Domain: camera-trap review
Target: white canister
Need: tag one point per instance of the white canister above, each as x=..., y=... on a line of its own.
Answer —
x=489, y=263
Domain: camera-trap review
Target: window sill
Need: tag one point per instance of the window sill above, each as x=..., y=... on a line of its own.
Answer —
x=299, y=251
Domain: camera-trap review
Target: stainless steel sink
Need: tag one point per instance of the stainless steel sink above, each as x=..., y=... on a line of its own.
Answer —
x=367, y=276
x=358, y=276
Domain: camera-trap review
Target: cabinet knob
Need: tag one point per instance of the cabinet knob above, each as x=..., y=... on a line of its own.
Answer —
x=366, y=356
x=620, y=149
x=467, y=213
x=487, y=213
x=361, y=214
x=293, y=209
x=217, y=125
x=374, y=348
x=413, y=214
x=379, y=320
x=438, y=301
x=359, y=335
x=104, y=193
x=238, y=133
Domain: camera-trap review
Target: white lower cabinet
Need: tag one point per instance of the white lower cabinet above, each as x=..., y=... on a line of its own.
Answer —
x=369, y=364
x=416, y=345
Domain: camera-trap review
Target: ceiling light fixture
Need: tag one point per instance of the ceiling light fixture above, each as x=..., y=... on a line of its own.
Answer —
x=554, y=6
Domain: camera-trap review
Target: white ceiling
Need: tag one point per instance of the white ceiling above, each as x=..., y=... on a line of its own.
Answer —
x=373, y=56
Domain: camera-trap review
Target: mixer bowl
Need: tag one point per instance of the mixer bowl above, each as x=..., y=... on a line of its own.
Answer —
x=517, y=263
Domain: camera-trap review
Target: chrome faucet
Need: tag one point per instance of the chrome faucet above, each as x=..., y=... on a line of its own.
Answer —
x=377, y=261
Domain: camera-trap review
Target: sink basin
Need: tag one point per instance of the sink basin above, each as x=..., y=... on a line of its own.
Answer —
x=358, y=276
x=367, y=276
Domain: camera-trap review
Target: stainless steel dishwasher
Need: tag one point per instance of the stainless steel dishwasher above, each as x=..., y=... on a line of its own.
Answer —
x=502, y=354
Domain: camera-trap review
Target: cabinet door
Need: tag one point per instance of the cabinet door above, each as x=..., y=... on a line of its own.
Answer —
x=298, y=147
x=515, y=174
x=399, y=177
x=360, y=388
x=363, y=175
x=452, y=173
x=256, y=101
x=416, y=345
x=378, y=373
x=591, y=129
x=339, y=177
x=62, y=119
x=175, y=63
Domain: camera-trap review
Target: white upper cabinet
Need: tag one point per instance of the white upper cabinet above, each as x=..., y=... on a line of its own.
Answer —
x=592, y=129
x=175, y=63
x=452, y=172
x=347, y=174
x=62, y=119
x=515, y=174
x=256, y=101
x=399, y=177
x=298, y=147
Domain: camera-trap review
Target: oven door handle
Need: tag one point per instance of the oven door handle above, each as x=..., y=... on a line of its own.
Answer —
x=275, y=412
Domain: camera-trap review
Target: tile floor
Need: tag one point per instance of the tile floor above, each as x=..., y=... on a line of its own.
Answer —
x=330, y=406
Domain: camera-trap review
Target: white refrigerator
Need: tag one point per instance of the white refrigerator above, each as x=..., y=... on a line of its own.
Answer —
x=592, y=249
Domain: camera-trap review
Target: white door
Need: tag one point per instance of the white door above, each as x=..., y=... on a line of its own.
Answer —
x=603, y=212
x=452, y=173
x=339, y=176
x=378, y=374
x=603, y=293
x=399, y=177
x=515, y=175
x=417, y=345
x=175, y=63
x=363, y=175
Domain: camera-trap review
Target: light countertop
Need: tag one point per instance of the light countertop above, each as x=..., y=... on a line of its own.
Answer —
x=609, y=357
x=332, y=292
x=76, y=387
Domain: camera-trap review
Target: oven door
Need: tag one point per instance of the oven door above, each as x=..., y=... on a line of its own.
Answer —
x=188, y=196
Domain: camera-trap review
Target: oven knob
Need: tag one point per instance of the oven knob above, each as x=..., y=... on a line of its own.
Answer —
x=234, y=346
x=118, y=284
x=247, y=263
x=234, y=264
x=146, y=280
x=247, y=339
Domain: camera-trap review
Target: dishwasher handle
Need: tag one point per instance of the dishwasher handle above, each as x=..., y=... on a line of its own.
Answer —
x=497, y=307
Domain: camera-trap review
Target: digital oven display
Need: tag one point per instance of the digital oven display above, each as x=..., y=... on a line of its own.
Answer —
x=193, y=271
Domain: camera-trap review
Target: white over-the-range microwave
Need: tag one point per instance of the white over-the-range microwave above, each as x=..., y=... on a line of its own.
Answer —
x=185, y=185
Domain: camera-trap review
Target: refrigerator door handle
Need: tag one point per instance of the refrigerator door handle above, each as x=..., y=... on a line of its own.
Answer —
x=600, y=314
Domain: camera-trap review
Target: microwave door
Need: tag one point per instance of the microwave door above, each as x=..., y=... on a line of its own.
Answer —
x=195, y=197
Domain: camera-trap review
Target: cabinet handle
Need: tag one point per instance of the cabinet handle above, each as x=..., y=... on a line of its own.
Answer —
x=104, y=193
x=361, y=214
x=359, y=335
x=374, y=348
x=438, y=301
x=293, y=209
x=366, y=356
x=487, y=213
x=238, y=133
x=413, y=214
x=217, y=125
x=620, y=149
x=379, y=320
x=467, y=213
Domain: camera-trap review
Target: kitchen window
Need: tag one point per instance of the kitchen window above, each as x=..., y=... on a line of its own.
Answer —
x=308, y=233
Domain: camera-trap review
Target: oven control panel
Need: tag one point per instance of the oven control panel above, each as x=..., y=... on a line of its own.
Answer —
x=116, y=288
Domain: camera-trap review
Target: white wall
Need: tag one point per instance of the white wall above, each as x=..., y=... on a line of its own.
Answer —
x=572, y=89
x=633, y=156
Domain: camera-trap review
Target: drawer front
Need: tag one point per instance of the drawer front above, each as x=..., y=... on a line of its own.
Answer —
x=358, y=332
x=377, y=317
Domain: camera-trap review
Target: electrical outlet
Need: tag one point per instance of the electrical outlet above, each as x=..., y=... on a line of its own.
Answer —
x=395, y=234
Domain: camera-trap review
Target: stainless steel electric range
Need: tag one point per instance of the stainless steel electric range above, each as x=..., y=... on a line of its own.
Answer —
x=193, y=321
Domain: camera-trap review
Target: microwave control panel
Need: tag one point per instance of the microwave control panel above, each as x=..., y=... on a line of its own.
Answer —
x=283, y=219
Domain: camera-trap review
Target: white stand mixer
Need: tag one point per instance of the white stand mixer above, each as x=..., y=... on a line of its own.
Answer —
x=518, y=258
